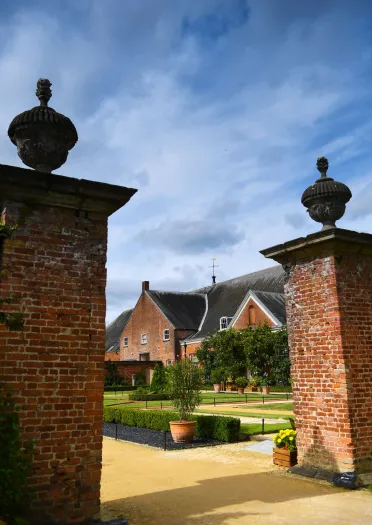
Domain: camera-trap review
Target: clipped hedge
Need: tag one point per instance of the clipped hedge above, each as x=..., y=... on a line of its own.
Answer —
x=134, y=396
x=213, y=427
x=126, y=388
x=284, y=389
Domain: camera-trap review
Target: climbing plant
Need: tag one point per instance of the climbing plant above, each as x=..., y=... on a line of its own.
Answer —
x=15, y=462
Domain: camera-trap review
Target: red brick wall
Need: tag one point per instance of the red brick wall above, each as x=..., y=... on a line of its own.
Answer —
x=127, y=368
x=260, y=316
x=147, y=319
x=112, y=356
x=55, y=264
x=329, y=311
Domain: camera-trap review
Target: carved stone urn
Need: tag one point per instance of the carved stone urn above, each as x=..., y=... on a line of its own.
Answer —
x=43, y=137
x=326, y=199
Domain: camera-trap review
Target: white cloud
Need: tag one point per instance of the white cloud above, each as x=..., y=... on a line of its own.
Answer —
x=221, y=140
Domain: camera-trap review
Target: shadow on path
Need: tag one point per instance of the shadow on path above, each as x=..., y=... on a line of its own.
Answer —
x=194, y=505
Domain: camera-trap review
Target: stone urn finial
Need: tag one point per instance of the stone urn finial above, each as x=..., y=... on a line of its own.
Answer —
x=326, y=199
x=43, y=137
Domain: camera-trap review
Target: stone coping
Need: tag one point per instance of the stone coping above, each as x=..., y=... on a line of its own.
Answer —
x=332, y=241
x=37, y=188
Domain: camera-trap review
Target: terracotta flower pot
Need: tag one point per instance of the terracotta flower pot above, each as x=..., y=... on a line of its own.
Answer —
x=217, y=387
x=182, y=431
x=266, y=389
x=240, y=389
x=285, y=458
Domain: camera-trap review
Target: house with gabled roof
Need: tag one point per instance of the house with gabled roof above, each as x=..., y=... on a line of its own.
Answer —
x=166, y=326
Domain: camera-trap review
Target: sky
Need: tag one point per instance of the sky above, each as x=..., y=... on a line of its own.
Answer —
x=215, y=110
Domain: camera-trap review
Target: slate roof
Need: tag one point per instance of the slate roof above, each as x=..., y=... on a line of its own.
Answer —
x=225, y=298
x=115, y=329
x=274, y=302
x=185, y=310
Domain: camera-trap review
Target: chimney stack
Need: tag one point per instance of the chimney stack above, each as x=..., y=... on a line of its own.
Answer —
x=145, y=286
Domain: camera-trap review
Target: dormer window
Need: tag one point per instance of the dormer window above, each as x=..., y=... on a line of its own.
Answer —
x=224, y=322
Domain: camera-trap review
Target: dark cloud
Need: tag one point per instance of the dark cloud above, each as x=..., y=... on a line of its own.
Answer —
x=191, y=236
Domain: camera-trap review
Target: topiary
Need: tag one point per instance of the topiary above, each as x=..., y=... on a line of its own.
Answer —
x=159, y=380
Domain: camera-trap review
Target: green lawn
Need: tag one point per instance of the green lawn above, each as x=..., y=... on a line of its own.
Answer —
x=207, y=398
x=242, y=413
x=274, y=406
x=256, y=428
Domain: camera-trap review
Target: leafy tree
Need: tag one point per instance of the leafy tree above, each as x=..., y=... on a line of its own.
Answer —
x=267, y=352
x=184, y=384
x=263, y=350
x=224, y=350
x=159, y=380
x=279, y=362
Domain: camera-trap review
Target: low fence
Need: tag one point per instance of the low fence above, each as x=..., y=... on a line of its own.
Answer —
x=153, y=438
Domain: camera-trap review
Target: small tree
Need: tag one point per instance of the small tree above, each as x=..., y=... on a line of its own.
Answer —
x=159, y=380
x=184, y=385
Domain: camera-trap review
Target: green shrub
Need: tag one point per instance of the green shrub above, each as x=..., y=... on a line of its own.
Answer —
x=217, y=376
x=278, y=388
x=211, y=427
x=119, y=388
x=140, y=378
x=159, y=379
x=241, y=382
x=15, y=462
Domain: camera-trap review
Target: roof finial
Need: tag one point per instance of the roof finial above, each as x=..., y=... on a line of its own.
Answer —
x=43, y=91
x=322, y=166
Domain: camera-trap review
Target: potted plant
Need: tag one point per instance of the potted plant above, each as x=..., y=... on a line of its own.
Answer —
x=241, y=383
x=254, y=384
x=184, y=384
x=229, y=384
x=285, y=451
x=217, y=377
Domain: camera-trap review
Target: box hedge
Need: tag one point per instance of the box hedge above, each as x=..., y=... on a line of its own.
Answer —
x=134, y=396
x=211, y=427
x=125, y=388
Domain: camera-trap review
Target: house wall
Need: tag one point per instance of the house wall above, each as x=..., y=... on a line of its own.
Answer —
x=126, y=369
x=112, y=356
x=260, y=316
x=147, y=319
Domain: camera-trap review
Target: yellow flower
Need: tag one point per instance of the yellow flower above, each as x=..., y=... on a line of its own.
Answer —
x=291, y=439
x=279, y=440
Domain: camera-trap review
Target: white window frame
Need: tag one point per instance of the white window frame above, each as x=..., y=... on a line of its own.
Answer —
x=126, y=340
x=166, y=331
x=225, y=322
x=143, y=339
x=168, y=362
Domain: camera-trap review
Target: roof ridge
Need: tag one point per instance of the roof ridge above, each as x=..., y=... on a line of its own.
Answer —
x=238, y=277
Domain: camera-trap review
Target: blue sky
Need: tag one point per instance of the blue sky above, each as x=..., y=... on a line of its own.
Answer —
x=216, y=110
